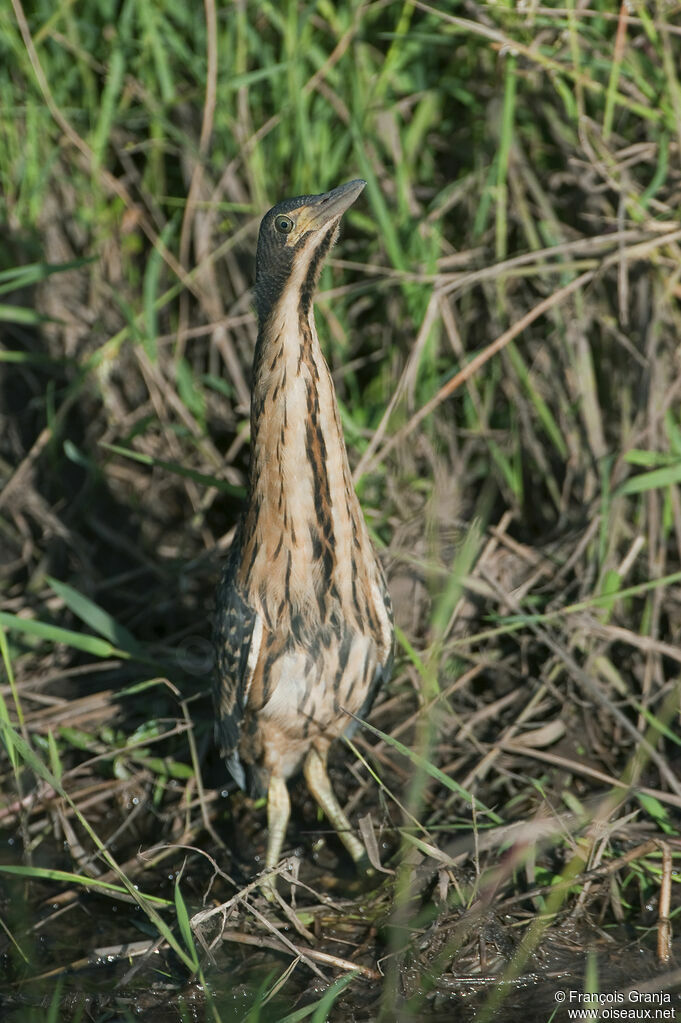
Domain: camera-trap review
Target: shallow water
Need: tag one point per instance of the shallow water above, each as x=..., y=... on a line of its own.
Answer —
x=91, y=945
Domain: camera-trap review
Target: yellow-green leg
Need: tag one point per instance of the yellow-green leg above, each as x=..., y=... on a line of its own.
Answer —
x=278, y=812
x=319, y=785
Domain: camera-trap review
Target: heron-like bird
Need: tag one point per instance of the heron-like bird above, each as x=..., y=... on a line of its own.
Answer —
x=303, y=628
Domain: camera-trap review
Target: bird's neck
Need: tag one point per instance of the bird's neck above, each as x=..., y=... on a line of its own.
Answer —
x=303, y=529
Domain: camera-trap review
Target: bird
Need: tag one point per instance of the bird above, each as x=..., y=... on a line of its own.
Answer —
x=303, y=628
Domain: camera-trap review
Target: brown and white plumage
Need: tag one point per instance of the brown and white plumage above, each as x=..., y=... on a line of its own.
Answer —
x=303, y=628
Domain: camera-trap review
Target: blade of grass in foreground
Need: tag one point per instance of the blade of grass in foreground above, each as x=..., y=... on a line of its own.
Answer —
x=435, y=773
x=23, y=276
x=12, y=740
x=183, y=923
x=7, y=661
x=96, y=617
x=512, y=623
x=191, y=474
x=21, y=314
x=667, y=476
x=67, y=877
x=323, y=1006
x=78, y=640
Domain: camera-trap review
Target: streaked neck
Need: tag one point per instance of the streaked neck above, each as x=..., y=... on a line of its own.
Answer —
x=303, y=510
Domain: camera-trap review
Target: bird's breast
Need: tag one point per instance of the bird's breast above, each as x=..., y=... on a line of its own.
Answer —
x=306, y=690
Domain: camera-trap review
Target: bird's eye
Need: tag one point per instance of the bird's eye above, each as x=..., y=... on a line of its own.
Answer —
x=283, y=224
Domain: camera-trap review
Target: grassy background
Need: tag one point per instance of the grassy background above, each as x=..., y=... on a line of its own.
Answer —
x=502, y=320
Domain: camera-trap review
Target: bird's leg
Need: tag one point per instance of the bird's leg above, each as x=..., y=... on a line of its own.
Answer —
x=278, y=811
x=319, y=785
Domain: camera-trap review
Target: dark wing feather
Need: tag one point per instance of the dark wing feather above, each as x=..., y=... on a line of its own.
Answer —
x=383, y=671
x=232, y=635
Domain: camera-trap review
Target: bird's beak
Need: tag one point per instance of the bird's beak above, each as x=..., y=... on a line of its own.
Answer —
x=325, y=208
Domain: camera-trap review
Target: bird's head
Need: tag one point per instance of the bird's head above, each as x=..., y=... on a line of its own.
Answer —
x=294, y=238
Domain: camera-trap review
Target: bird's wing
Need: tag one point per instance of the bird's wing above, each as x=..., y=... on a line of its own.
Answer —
x=382, y=675
x=237, y=635
x=384, y=670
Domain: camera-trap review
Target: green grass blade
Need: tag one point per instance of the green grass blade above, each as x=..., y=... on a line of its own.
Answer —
x=434, y=772
x=54, y=1010
x=55, y=759
x=68, y=877
x=321, y=1008
x=150, y=291
x=329, y=997
x=33, y=273
x=77, y=640
x=668, y=476
x=19, y=314
x=184, y=925
x=7, y=661
x=107, y=109
x=178, y=470
x=94, y=616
